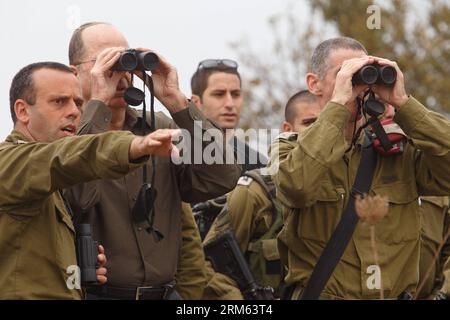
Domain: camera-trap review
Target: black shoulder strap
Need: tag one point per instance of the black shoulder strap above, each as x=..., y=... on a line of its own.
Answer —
x=341, y=236
x=264, y=181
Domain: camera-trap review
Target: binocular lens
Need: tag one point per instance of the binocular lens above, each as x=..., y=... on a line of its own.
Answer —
x=131, y=60
x=374, y=73
x=388, y=74
x=368, y=74
x=147, y=61
x=127, y=62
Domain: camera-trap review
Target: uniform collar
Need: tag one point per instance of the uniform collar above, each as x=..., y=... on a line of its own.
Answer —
x=17, y=137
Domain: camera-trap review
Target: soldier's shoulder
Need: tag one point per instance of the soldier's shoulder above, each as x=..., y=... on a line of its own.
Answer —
x=290, y=136
x=245, y=181
x=8, y=144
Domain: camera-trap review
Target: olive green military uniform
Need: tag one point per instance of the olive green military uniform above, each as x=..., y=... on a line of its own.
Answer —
x=250, y=215
x=191, y=272
x=135, y=258
x=445, y=258
x=434, y=223
x=220, y=286
x=314, y=177
x=37, y=238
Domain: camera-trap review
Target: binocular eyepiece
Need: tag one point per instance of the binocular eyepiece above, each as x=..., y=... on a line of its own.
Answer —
x=132, y=59
x=375, y=74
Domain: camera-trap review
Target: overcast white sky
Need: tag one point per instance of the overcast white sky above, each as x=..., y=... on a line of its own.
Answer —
x=185, y=32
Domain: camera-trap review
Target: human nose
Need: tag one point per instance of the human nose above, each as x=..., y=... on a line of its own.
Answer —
x=73, y=110
x=229, y=101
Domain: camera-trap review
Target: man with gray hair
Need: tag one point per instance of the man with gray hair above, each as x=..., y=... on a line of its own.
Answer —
x=314, y=174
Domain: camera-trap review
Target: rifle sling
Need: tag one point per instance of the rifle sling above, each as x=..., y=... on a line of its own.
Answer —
x=341, y=236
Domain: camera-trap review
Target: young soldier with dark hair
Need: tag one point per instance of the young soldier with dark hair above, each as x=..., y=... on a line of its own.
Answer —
x=253, y=214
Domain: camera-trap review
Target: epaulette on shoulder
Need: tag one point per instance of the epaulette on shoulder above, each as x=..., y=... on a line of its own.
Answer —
x=245, y=181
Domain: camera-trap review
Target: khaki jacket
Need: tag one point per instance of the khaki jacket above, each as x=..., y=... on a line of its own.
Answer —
x=249, y=215
x=191, y=272
x=313, y=177
x=434, y=222
x=37, y=237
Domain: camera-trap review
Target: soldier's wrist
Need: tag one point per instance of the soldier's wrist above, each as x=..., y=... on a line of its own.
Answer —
x=101, y=98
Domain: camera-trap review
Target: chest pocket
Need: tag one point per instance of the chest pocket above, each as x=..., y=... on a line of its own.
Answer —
x=318, y=221
x=402, y=223
x=433, y=211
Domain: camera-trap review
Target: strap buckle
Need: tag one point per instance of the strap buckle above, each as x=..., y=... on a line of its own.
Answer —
x=163, y=291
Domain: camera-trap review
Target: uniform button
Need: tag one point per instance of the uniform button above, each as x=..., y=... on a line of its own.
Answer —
x=106, y=119
x=134, y=198
x=139, y=229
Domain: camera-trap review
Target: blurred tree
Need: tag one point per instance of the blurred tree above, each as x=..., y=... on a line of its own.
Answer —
x=420, y=43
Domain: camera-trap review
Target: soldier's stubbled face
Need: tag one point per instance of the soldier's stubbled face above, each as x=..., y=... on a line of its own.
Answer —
x=222, y=99
x=56, y=112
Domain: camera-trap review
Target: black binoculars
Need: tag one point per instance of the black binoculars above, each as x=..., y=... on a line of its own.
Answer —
x=87, y=251
x=132, y=59
x=375, y=74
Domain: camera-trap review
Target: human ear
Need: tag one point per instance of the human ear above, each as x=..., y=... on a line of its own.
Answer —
x=22, y=111
x=314, y=84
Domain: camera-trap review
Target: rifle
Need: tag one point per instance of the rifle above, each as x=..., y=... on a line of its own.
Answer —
x=205, y=213
x=225, y=256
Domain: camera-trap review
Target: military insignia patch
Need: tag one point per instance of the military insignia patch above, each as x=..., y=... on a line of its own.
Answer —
x=244, y=181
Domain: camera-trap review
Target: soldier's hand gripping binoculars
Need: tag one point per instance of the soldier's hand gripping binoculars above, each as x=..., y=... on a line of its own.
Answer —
x=375, y=74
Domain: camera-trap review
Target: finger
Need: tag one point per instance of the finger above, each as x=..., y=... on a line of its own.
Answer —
x=140, y=49
x=175, y=152
x=161, y=135
x=111, y=60
x=387, y=62
x=102, y=271
x=175, y=133
x=101, y=249
x=154, y=143
x=355, y=64
x=108, y=58
x=102, y=279
x=103, y=53
x=106, y=54
x=101, y=259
